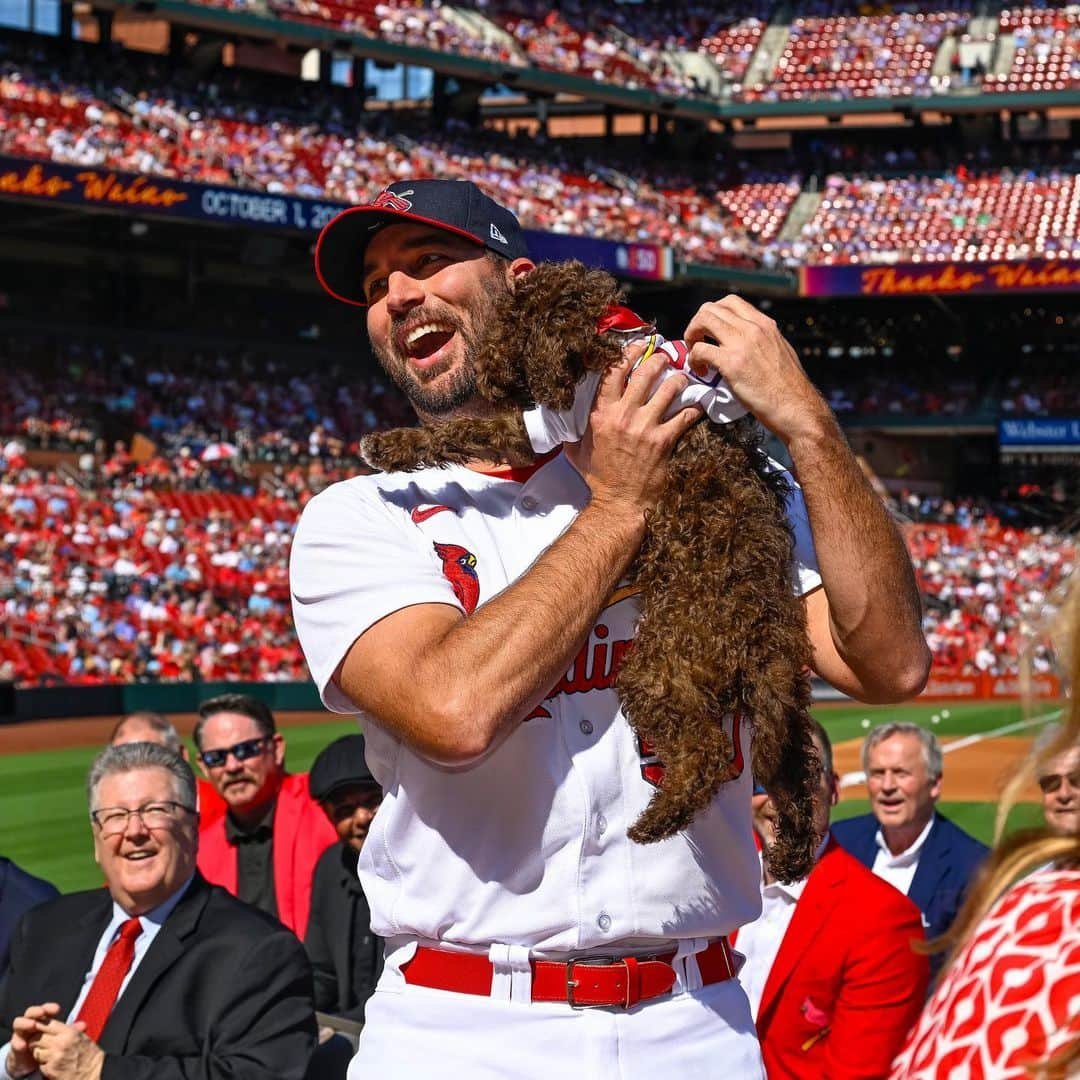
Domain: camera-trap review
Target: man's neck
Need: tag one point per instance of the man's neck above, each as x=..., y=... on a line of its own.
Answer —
x=898, y=840
x=253, y=814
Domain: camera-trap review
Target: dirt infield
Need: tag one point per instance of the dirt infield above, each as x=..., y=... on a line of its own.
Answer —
x=974, y=773
x=95, y=730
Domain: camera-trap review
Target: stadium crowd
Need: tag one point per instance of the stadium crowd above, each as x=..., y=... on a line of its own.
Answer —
x=830, y=48
x=168, y=567
x=226, y=132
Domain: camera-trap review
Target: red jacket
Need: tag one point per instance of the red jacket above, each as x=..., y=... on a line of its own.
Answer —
x=302, y=832
x=845, y=987
x=211, y=804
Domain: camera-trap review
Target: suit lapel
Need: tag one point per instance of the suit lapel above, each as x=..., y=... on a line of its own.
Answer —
x=822, y=893
x=167, y=947
x=933, y=865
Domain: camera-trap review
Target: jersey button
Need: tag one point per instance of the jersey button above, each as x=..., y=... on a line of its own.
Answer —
x=586, y=727
x=601, y=824
x=603, y=920
x=528, y=503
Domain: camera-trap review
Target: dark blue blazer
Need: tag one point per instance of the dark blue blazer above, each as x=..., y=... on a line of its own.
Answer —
x=19, y=892
x=947, y=863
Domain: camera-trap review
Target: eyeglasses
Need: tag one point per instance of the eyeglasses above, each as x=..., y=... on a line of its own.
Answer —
x=249, y=748
x=1052, y=781
x=113, y=820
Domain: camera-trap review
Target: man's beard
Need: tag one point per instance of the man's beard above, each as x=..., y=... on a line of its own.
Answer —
x=453, y=393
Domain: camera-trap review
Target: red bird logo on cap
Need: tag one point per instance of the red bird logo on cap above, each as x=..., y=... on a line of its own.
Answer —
x=459, y=567
x=391, y=200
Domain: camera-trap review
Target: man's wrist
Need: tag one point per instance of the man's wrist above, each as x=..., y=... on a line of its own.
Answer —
x=817, y=429
x=623, y=518
x=11, y=1066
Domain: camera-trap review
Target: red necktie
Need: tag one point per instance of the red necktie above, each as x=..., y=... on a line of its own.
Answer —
x=107, y=982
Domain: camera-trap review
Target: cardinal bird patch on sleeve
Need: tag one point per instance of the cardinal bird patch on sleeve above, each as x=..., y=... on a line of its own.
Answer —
x=459, y=567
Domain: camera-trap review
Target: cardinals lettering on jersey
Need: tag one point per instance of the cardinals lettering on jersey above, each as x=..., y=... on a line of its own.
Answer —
x=652, y=768
x=459, y=566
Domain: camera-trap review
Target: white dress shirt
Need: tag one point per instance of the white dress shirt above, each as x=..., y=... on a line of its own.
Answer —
x=151, y=923
x=899, y=870
x=760, y=940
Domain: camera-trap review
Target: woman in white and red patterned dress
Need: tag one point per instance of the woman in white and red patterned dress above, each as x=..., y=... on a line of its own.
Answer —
x=1008, y=1004
x=1011, y=997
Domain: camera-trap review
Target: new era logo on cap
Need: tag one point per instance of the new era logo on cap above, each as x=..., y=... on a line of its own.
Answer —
x=455, y=206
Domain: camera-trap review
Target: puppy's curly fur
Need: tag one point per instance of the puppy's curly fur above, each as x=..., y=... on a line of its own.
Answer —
x=721, y=631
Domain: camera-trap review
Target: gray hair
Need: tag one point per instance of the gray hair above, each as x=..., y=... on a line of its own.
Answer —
x=115, y=760
x=156, y=723
x=931, y=748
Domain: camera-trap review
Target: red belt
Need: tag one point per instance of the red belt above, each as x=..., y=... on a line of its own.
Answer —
x=581, y=981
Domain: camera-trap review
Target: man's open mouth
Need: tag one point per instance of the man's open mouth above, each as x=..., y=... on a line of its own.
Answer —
x=425, y=340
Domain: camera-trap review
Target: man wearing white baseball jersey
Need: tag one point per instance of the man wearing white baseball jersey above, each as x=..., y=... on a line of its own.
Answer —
x=477, y=616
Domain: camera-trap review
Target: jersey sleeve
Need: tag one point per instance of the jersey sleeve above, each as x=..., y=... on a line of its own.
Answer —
x=353, y=563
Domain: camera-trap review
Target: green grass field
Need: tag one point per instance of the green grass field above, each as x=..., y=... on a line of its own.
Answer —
x=44, y=826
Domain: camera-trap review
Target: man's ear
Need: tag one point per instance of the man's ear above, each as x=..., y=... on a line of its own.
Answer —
x=518, y=268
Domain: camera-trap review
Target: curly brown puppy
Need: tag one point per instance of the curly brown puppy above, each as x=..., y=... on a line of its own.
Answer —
x=721, y=632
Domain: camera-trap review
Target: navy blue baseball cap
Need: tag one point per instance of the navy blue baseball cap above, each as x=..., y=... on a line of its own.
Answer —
x=458, y=206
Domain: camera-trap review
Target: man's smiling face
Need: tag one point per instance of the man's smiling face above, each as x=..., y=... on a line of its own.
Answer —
x=431, y=297
x=145, y=864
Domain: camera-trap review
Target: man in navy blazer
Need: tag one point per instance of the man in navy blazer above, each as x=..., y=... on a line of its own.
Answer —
x=905, y=840
x=19, y=892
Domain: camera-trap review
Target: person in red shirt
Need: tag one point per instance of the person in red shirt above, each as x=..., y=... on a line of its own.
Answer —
x=831, y=973
x=265, y=847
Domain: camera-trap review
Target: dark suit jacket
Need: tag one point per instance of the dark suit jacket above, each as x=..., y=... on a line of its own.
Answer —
x=346, y=956
x=19, y=891
x=947, y=864
x=223, y=992
x=846, y=985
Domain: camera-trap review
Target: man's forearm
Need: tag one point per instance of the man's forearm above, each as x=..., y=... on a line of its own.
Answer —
x=522, y=642
x=874, y=606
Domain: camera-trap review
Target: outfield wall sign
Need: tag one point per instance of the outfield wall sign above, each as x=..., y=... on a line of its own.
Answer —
x=985, y=687
x=108, y=189
x=1040, y=434
x=939, y=279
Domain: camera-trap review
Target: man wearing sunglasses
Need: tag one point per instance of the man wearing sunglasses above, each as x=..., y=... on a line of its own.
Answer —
x=265, y=848
x=1059, y=782
x=159, y=975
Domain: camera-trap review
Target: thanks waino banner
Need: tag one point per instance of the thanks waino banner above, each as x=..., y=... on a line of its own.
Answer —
x=922, y=279
x=109, y=189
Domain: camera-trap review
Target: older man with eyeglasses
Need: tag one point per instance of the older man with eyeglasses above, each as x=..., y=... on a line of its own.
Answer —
x=265, y=848
x=160, y=976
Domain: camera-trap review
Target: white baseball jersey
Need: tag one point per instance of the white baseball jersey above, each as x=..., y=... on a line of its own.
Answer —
x=528, y=846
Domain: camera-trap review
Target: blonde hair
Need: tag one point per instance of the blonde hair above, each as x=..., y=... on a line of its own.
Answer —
x=1016, y=856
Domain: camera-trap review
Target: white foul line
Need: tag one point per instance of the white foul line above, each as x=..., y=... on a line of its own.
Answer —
x=852, y=778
